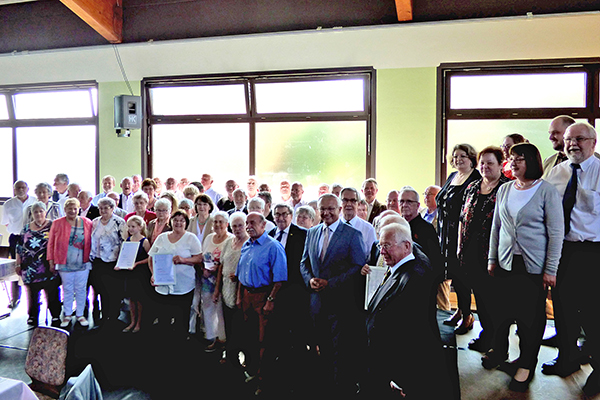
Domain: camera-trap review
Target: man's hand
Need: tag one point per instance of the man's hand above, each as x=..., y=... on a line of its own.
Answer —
x=269, y=307
x=366, y=270
x=318, y=284
x=491, y=269
x=549, y=281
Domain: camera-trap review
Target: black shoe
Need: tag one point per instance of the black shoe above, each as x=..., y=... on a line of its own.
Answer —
x=551, y=341
x=559, y=368
x=479, y=345
x=14, y=304
x=592, y=385
x=517, y=386
x=509, y=367
x=32, y=321
x=491, y=360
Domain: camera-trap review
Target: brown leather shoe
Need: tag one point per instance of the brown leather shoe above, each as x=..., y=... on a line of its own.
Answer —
x=466, y=325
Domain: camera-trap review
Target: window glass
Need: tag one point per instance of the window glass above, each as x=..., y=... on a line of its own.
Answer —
x=3, y=107
x=6, y=165
x=189, y=150
x=43, y=152
x=315, y=96
x=312, y=153
x=54, y=104
x=198, y=100
x=518, y=91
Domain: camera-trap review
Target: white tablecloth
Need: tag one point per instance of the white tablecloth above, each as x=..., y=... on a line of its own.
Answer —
x=7, y=268
x=11, y=389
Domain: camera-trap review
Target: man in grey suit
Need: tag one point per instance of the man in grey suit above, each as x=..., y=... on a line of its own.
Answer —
x=333, y=256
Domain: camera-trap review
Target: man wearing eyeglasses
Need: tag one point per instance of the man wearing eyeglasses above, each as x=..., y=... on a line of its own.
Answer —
x=575, y=297
x=350, y=200
x=404, y=361
x=333, y=256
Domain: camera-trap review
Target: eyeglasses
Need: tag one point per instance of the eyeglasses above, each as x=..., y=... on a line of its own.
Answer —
x=407, y=201
x=330, y=209
x=576, y=139
x=516, y=160
x=278, y=215
x=385, y=246
x=349, y=201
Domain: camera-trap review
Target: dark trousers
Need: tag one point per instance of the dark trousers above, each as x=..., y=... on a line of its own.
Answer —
x=176, y=307
x=460, y=284
x=526, y=304
x=13, y=241
x=576, y=300
x=486, y=295
x=50, y=287
x=109, y=285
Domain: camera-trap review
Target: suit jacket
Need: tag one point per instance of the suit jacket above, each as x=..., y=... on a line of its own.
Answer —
x=343, y=260
x=294, y=247
x=378, y=208
x=408, y=295
x=93, y=212
x=424, y=234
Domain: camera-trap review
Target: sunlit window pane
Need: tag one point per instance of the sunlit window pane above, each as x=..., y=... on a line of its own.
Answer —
x=316, y=96
x=198, y=100
x=6, y=162
x=42, y=152
x=58, y=104
x=189, y=151
x=312, y=153
x=3, y=107
x=518, y=91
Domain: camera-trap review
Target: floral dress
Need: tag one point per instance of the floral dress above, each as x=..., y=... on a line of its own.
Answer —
x=34, y=266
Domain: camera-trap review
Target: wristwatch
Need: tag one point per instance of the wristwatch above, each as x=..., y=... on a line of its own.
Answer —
x=269, y=298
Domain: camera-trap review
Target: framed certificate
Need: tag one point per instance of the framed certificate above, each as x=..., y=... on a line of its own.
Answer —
x=127, y=255
x=164, y=271
x=374, y=279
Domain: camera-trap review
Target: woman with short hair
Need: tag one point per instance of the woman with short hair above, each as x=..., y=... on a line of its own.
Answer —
x=524, y=264
x=69, y=246
x=305, y=217
x=140, y=204
x=148, y=186
x=162, y=208
x=43, y=192
x=33, y=267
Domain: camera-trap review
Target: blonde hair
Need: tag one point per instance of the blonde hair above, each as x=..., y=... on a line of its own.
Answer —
x=70, y=201
x=140, y=221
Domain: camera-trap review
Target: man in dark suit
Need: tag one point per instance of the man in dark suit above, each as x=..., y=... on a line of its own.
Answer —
x=333, y=256
x=87, y=209
x=374, y=208
x=239, y=201
x=293, y=320
x=404, y=360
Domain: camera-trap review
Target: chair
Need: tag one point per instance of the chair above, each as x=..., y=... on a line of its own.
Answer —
x=46, y=361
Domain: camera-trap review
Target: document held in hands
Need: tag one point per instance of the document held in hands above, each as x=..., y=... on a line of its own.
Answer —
x=164, y=272
x=128, y=255
x=374, y=279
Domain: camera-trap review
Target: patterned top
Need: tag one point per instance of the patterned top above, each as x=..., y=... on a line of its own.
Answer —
x=52, y=212
x=107, y=239
x=476, y=217
x=211, y=254
x=75, y=252
x=34, y=266
x=229, y=259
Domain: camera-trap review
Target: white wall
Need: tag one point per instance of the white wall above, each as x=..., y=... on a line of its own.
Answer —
x=395, y=46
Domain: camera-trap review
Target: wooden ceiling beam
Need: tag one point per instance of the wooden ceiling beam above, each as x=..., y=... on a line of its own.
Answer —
x=105, y=16
x=404, y=10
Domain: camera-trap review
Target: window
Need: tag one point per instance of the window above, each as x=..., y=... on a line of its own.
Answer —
x=481, y=103
x=48, y=129
x=314, y=127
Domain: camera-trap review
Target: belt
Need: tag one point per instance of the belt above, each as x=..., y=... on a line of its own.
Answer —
x=262, y=289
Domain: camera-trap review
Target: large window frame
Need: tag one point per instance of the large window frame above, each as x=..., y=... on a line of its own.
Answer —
x=252, y=116
x=591, y=111
x=10, y=91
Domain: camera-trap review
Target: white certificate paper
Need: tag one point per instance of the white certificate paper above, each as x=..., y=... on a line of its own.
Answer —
x=374, y=279
x=164, y=273
x=128, y=255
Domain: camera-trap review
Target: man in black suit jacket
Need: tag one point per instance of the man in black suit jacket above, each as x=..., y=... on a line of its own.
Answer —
x=370, y=189
x=405, y=357
x=87, y=209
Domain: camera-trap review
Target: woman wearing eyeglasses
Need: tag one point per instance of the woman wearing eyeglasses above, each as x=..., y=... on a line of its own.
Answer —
x=525, y=248
x=449, y=202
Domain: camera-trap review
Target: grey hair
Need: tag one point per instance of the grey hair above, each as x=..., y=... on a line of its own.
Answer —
x=329, y=196
x=590, y=129
x=284, y=205
x=38, y=204
x=237, y=215
x=221, y=214
x=409, y=189
x=307, y=210
x=141, y=195
x=64, y=178
x=43, y=185
x=162, y=202
x=351, y=189
x=106, y=201
x=189, y=203
x=258, y=200
x=400, y=232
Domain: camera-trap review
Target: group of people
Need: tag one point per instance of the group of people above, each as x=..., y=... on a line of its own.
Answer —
x=505, y=226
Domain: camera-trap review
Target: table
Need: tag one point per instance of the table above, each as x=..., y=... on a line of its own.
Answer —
x=7, y=268
x=15, y=390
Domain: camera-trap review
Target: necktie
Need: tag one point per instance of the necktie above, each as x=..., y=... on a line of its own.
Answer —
x=280, y=236
x=386, y=276
x=570, y=197
x=325, y=242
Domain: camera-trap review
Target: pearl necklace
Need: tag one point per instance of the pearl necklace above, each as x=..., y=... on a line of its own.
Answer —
x=519, y=185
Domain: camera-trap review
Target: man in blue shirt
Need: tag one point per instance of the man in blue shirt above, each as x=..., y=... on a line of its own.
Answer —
x=261, y=270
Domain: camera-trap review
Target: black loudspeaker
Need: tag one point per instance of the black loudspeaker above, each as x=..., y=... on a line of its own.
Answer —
x=128, y=112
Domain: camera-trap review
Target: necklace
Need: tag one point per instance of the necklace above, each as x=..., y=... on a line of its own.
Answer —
x=521, y=186
x=38, y=225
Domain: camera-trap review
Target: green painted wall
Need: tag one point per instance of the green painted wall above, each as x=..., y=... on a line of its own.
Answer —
x=117, y=156
x=405, y=129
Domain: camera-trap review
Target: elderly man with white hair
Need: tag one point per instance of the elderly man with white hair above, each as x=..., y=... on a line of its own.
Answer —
x=256, y=204
x=407, y=293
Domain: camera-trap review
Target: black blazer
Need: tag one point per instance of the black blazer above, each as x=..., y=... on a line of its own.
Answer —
x=407, y=300
x=93, y=212
x=425, y=235
x=294, y=247
x=378, y=208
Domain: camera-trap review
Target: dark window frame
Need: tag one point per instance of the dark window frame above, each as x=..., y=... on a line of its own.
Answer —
x=252, y=116
x=591, y=111
x=12, y=122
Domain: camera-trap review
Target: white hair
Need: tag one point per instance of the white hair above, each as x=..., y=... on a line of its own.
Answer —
x=399, y=231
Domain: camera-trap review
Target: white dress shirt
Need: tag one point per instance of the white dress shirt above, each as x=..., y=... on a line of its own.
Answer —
x=12, y=213
x=368, y=232
x=284, y=237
